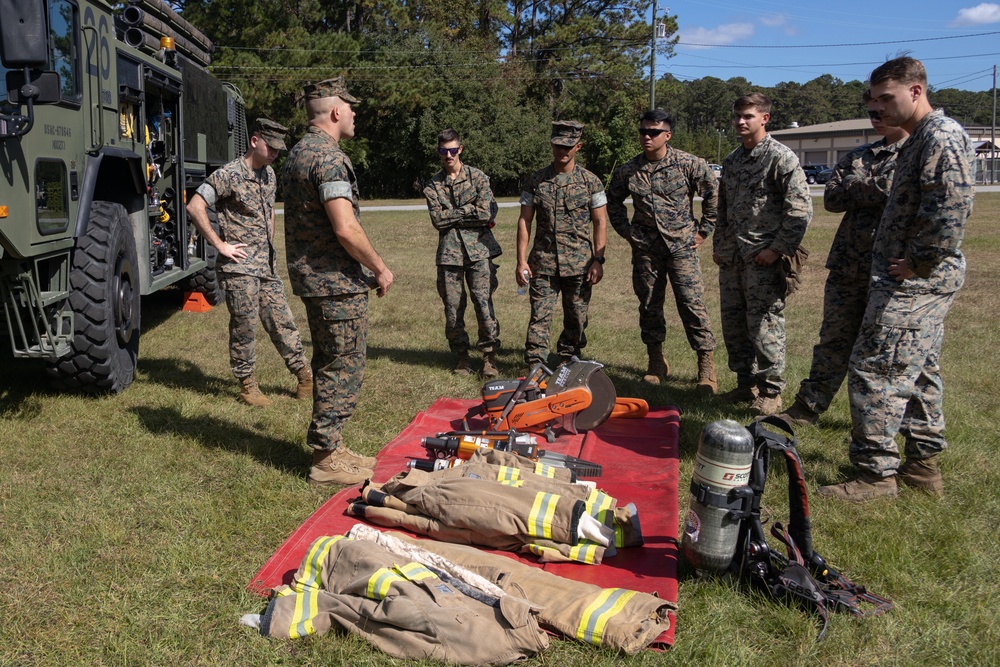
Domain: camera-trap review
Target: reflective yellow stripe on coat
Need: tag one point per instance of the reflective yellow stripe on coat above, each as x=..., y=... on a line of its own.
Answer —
x=595, y=618
x=540, y=517
x=307, y=586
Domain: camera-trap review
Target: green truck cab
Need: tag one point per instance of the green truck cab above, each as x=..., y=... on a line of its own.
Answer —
x=105, y=129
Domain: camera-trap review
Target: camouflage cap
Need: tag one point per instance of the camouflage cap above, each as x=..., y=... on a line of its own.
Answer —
x=566, y=132
x=336, y=87
x=272, y=133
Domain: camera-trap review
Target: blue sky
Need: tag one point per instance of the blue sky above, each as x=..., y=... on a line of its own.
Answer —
x=770, y=42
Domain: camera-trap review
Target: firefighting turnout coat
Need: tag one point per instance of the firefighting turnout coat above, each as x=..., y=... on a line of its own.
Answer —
x=403, y=607
x=509, y=507
x=361, y=589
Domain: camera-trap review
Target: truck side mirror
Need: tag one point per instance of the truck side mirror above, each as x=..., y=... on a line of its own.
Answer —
x=23, y=34
x=43, y=87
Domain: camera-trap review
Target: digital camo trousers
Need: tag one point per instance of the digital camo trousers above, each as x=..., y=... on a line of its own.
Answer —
x=752, y=300
x=894, y=380
x=844, y=301
x=339, y=328
x=481, y=278
x=650, y=274
x=248, y=299
x=575, y=291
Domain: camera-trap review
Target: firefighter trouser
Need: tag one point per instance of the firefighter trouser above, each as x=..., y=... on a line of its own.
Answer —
x=403, y=607
x=617, y=618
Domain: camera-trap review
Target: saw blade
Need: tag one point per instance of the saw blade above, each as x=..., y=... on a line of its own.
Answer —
x=602, y=402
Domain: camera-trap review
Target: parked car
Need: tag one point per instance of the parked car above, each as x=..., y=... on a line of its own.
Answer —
x=716, y=169
x=811, y=171
x=824, y=176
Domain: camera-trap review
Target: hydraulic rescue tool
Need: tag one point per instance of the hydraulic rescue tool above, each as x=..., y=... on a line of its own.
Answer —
x=463, y=444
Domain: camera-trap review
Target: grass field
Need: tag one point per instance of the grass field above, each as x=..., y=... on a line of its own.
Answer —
x=130, y=524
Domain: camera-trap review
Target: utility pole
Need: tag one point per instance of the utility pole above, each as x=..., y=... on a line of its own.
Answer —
x=658, y=30
x=993, y=132
x=718, y=157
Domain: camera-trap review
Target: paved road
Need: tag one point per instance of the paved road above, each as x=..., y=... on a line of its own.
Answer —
x=815, y=190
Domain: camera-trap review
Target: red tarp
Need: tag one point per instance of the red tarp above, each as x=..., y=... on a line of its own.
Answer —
x=639, y=459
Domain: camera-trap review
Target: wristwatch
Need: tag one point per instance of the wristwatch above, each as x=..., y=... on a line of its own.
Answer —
x=599, y=260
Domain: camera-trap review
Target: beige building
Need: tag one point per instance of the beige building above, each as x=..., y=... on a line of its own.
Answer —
x=828, y=142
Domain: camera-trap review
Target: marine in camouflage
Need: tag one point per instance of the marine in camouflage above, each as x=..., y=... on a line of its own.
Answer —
x=560, y=256
x=894, y=376
x=764, y=203
x=859, y=188
x=244, y=201
x=333, y=285
x=462, y=209
x=662, y=236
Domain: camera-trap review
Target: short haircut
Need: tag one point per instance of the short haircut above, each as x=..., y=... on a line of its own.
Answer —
x=905, y=70
x=759, y=101
x=657, y=116
x=449, y=135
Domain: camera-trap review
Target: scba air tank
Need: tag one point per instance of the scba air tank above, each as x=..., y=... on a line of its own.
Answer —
x=721, y=469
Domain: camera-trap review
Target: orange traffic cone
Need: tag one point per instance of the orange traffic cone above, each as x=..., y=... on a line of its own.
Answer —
x=195, y=302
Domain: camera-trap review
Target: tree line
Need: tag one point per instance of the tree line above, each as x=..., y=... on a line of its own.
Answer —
x=498, y=72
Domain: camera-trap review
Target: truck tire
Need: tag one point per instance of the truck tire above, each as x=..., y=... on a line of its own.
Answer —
x=810, y=179
x=104, y=298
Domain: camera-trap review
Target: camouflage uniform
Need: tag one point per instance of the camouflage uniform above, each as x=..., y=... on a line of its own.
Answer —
x=662, y=235
x=860, y=187
x=560, y=256
x=764, y=202
x=462, y=210
x=244, y=201
x=894, y=378
x=333, y=285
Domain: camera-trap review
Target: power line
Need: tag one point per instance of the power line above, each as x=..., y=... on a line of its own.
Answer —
x=830, y=46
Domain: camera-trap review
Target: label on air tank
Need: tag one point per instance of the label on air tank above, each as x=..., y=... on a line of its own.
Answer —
x=692, y=526
x=715, y=473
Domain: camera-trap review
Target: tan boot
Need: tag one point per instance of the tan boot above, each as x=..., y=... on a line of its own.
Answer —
x=658, y=368
x=766, y=404
x=799, y=414
x=464, y=365
x=250, y=393
x=490, y=369
x=305, y=387
x=707, y=384
x=336, y=466
x=742, y=394
x=355, y=458
x=865, y=487
x=923, y=474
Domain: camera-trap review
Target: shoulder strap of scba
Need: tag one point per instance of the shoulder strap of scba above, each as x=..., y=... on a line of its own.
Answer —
x=802, y=576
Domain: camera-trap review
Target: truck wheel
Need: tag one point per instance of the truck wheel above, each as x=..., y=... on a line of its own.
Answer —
x=810, y=179
x=104, y=298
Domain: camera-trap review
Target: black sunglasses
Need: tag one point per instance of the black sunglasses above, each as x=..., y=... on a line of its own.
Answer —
x=449, y=151
x=874, y=115
x=650, y=132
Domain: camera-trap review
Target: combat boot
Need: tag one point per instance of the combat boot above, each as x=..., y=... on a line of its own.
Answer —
x=799, y=414
x=337, y=467
x=744, y=393
x=490, y=369
x=658, y=368
x=766, y=404
x=923, y=474
x=867, y=486
x=250, y=393
x=463, y=366
x=304, y=389
x=707, y=384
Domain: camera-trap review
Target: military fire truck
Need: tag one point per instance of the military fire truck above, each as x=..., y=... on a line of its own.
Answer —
x=108, y=120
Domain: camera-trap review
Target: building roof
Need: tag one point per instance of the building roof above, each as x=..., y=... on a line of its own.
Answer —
x=857, y=125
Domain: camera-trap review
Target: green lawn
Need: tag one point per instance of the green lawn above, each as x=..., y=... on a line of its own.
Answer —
x=130, y=524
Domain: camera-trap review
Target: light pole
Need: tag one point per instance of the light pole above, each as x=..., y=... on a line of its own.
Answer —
x=718, y=157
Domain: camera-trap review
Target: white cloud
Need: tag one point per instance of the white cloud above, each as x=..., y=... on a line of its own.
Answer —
x=779, y=21
x=981, y=14
x=718, y=36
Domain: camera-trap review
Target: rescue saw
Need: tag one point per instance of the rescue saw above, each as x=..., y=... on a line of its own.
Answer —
x=576, y=396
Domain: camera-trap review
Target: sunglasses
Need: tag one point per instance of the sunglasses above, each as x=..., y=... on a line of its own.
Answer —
x=874, y=115
x=449, y=151
x=650, y=132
